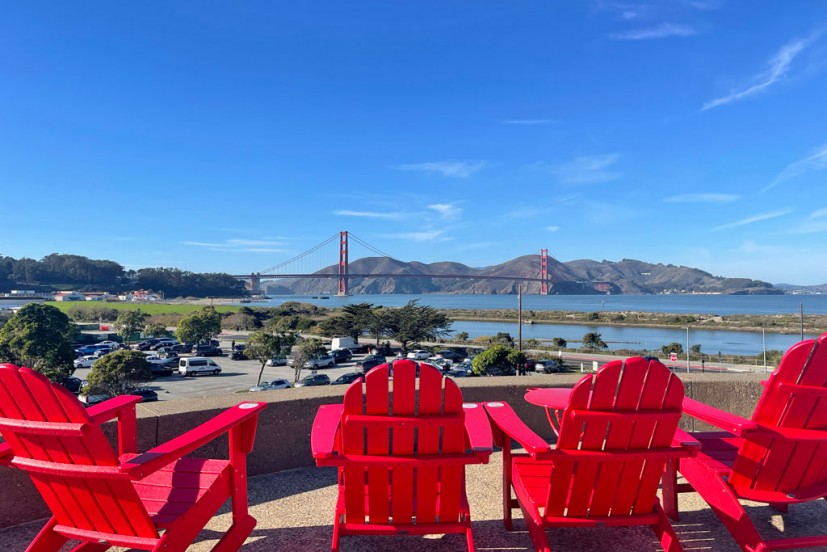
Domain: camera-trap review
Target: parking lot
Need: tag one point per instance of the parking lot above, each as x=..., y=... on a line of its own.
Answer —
x=236, y=376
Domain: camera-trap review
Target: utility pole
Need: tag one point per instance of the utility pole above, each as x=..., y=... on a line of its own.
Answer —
x=687, y=349
x=519, y=317
x=801, y=310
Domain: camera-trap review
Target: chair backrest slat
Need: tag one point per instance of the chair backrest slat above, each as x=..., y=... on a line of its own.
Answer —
x=783, y=463
x=424, y=423
x=633, y=406
x=106, y=503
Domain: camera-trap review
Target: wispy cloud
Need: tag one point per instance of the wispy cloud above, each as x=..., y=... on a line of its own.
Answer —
x=368, y=214
x=447, y=210
x=779, y=64
x=529, y=122
x=448, y=169
x=816, y=161
x=526, y=212
x=591, y=169
x=243, y=246
x=423, y=236
x=702, y=198
x=813, y=224
x=552, y=228
x=752, y=219
x=476, y=246
x=664, y=30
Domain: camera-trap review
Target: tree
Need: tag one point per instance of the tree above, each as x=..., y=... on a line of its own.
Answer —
x=414, y=323
x=129, y=323
x=695, y=349
x=200, y=326
x=263, y=345
x=559, y=342
x=305, y=351
x=503, y=338
x=462, y=337
x=354, y=321
x=594, y=340
x=155, y=329
x=673, y=347
x=494, y=361
x=40, y=337
x=119, y=373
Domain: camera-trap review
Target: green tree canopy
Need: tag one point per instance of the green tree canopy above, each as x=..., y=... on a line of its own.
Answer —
x=414, y=323
x=119, y=373
x=494, y=361
x=155, y=329
x=305, y=351
x=199, y=326
x=594, y=340
x=560, y=342
x=40, y=337
x=263, y=345
x=673, y=347
x=129, y=323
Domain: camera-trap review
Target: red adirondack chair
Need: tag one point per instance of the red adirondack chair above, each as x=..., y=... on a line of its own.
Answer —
x=157, y=500
x=417, y=484
x=617, y=429
x=778, y=457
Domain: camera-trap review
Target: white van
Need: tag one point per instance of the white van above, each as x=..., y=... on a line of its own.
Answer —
x=192, y=366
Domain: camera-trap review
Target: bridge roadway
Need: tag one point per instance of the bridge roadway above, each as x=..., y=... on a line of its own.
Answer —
x=394, y=275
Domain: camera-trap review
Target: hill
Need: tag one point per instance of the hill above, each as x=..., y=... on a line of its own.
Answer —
x=583, y=276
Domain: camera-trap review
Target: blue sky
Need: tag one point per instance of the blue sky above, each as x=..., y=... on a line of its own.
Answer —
x=232, y=136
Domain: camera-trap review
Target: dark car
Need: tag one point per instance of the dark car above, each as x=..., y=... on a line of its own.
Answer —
x=341, y=355
x=453, y=356
x=207, y=349
x=182, y=348
x=317, y=379
x=238, y=353
x=146, y=344
x=73, y=384
x=146, y=394
x=370, y=361
x=163, y=343
x=163, y=369
x=347, y=379
x=385, y=351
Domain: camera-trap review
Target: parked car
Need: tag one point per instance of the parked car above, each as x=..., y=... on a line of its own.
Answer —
x=88, y=349
x=164, y=367
x=146, y=344
x=341, y=355
x=91, y=400
x=272, y=384
x=146, y=394
x=238, y=353
x=443, y=364
x=111, y=344
x=347, y=379
x=163, y=343
x=182, y=348
x=549, y=365
x=277, y=361
x=86, y=361
x=73, y=384
x=419, y=354
x=315, y=379
x=369, y=363
x=457, y=373
x=385, y=351
x=207, y=349
x=167, y=352
x=324, y=361
x=453, y=356
x=103, y=351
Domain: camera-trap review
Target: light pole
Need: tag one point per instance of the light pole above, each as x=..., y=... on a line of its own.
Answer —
x=687, y=349
x=764, y=346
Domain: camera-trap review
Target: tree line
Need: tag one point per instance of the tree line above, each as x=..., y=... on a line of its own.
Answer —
x=57, y=271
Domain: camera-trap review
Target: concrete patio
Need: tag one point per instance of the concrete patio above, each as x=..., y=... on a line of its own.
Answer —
x=294, y=509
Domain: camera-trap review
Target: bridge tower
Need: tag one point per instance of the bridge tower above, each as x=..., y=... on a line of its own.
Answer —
x=544, y=272
x=255, y=283
x=342, y=263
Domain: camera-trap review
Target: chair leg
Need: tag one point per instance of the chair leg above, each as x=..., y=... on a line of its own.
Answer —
x=666, y=533
x=469, y=538
x=334, y=547
x=47, y=540
x=669, y=489
x=538, y=535
x=236, y=535
x=780, y=507
x=507, y=486
x=725, y=504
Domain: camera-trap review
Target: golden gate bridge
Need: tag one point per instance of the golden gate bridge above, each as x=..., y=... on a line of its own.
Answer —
x=342, y=273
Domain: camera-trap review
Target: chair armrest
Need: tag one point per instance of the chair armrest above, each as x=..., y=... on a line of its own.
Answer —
x=156, y=458
x=687, y=442
x=506, y=422
x=6, y=454
x=323, y=435
x=478, y=429
x=724, y=420
x=122, y=408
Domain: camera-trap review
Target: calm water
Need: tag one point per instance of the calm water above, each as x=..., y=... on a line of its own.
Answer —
x=712, y=342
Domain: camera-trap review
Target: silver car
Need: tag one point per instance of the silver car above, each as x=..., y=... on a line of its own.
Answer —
x=273, y=384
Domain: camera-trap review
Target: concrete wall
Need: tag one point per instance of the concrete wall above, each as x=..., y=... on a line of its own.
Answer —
x=283, y=438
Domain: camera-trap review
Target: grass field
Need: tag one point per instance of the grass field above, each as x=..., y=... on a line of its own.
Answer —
x=150, y=308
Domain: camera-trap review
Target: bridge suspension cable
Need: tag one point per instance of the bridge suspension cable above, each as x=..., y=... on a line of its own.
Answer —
x=300, y=255
x=369, y=246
